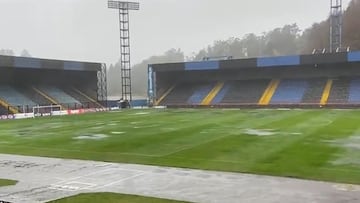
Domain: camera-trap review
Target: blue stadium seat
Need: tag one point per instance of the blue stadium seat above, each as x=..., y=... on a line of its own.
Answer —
x=59, y=95
x=354, y=92
x=200, y=93
x=220, y=96
x=289, y=92
x=14, y=98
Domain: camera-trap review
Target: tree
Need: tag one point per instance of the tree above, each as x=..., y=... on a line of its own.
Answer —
x=7, y=52
x=351, y=29
x=316, y=37
x=139, y=73
x=25, y=53
x=282, y=41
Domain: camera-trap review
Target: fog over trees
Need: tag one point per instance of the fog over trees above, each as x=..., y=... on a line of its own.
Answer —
x=139, y=73
x=285, y=40
x=7, y=52
x=10, y=52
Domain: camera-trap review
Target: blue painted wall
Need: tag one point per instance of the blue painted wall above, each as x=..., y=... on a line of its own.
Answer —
x=354, y=92
x=278, y=61
x=202, y=65
x=354, y=56
x=27, y=62
x=139, y=103
x=73, y=66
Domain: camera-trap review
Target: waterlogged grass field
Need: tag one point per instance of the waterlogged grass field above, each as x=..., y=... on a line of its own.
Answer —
x=310, y=144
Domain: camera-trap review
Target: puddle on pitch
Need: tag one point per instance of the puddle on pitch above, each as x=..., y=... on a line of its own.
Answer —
x=351, y=146
x=117, y=133
x=141, y=113
x=259, y=132
x=91, y=137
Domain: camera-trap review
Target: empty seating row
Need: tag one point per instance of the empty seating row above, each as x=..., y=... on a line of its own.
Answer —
x=58, y=95
x=3, y=110
x=22, y=98
x=35, y=96
x=354, y=91
x=285, y=91
x=221, y=94
x=244, y=92
x=13, y=97
x=180, y=94
x=83, y=98
x=289, y=92
x=339, y=93
x=314, y=91
x=199, y=94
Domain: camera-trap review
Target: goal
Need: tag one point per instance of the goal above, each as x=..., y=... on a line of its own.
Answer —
x=46, y=110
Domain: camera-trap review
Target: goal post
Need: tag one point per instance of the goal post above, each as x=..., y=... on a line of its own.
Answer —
x=46, y=110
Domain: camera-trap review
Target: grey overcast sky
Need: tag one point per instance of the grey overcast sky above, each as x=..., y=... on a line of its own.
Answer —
x=86, y=30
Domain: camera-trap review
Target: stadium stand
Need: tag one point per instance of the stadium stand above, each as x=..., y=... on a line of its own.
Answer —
x=14, y=98
x=3, y=110
x=89, y=91
x=339, y=93
x=181, y=94
x=269, y=92
x=326, y=93
x=354, y=93
x=289, y=92
x=27, y=82
x=245, y=92
x=314, y=91
x=59, y=96
x=212, y=94
x=318, y=80
x=84, y=99
x=221, y=94
x=30, y=93
x=164, y=94
x=199, y=94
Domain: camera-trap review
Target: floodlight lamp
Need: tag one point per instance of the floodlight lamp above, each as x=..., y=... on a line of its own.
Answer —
x=123, y=5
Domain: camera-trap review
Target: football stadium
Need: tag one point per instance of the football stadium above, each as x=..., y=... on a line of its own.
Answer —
x=288, y=116
x=256, y=129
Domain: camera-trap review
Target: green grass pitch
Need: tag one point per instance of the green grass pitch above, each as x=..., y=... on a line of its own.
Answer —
x=310, y=144
x=4, y=182
x=112, y=198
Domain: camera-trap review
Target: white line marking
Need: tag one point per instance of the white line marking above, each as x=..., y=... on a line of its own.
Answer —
x=68, y=184
x=186, y=147
x=121, y=180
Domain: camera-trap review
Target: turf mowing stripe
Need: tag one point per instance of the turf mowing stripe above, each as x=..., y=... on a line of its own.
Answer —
x=259, y=124
x=241, y=125
x=298, y=143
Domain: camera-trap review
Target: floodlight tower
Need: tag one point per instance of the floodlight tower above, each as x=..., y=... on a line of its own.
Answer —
x=335, y=24
x=124, y=8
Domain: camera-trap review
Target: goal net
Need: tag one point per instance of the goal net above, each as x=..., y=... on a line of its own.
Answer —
x=46, y=110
